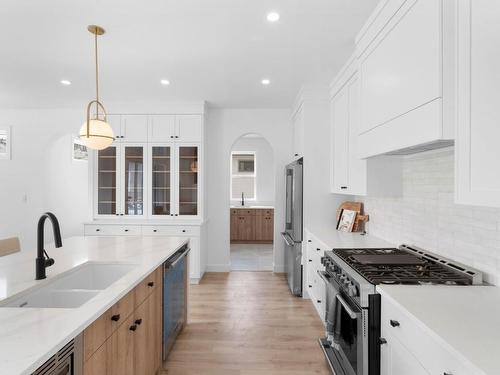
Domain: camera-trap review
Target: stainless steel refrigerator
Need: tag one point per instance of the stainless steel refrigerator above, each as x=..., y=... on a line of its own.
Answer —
x=293, y=226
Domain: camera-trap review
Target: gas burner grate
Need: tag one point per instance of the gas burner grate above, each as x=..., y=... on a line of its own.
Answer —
x=426, y=272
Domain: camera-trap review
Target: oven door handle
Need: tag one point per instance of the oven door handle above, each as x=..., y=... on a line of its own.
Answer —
x=351, y=313
x=324, y=276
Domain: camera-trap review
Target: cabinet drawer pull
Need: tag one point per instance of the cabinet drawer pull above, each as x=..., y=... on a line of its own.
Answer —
x=309, y=240
x=126, y=230
x=447, y=373
x=382, y=341
x=133, y=327
x=394, y=323
x=310, y=286
x=310, y=260
x=151, y=284
x=115, y=318
x=154, y=231
x=97, y=230
x=318, y=249
x=343, y=187
x=138, y=322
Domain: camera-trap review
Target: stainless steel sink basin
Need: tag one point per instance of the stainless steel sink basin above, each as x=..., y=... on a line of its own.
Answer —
x=72, y=288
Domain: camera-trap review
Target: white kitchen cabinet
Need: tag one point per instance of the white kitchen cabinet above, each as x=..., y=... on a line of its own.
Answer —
x=407, y=70
x=349, y=171
x=411, y=349
x=156, y=180
x=298, y=131
x=349, y=174
x=314, y=286
x=188, y=128
x=162, y=128
x=134, y=128
x=119, y=181
x=395, y=359
x=478, y=130
x=197, y=258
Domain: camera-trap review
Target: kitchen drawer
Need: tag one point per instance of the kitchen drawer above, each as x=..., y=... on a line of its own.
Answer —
x=169, y=230
x=435, y=358
x=147, y=286
x=102, y=328
x=112, y=230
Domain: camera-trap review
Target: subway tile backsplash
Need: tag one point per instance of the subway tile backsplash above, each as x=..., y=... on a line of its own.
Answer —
x=426, y=216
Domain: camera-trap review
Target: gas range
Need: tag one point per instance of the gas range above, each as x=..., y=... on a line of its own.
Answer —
x=359, y=270
x=352, y=313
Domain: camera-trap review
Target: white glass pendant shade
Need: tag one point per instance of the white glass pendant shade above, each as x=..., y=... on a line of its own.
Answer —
x=100, y=134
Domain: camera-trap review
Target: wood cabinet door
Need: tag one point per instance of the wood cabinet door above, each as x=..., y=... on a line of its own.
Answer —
x=246, y=228
x=235, y=223
x=142, y=346
x=120, y=350
x=268, y=234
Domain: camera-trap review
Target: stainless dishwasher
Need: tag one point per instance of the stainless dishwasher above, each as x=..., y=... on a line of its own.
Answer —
x=175, y=278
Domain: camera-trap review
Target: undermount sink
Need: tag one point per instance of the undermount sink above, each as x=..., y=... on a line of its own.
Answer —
x=72, y=288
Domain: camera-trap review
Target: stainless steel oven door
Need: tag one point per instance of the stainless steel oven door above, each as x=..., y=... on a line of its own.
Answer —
x=344, y=325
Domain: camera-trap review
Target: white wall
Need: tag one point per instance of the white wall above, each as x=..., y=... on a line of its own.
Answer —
x=223, y=128
x=426, y=216
x=41, y=176
x=264, y=167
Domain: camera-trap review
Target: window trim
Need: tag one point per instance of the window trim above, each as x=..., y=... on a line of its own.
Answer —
x=231, y=175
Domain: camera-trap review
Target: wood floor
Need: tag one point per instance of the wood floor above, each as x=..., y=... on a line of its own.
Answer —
x=247, y=323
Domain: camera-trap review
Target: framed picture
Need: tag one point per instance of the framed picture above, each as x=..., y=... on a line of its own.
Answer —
x=78, y=150
x=346, y=221
x=5, y=143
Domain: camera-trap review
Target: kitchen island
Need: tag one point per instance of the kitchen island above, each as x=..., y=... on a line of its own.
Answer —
x=32, y=335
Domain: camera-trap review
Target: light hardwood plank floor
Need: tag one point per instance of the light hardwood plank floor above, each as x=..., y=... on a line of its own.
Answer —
x=247, y=323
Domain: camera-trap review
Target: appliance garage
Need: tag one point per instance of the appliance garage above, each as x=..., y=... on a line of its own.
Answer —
x=352, y=314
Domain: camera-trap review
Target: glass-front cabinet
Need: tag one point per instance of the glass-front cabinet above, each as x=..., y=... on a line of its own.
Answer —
x=188, y=180
x=120, y=181
x=107, y=188
x=161, y=180
x=155, y=180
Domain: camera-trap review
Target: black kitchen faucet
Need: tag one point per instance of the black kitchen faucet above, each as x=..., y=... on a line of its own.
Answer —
x=42, y=258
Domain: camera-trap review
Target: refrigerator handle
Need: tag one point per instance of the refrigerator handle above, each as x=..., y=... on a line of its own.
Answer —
x=287, y=239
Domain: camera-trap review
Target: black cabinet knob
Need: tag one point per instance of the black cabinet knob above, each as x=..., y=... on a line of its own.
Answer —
x=151, y=284
x=310, y=286
x=97, y=230
x=138, y=322
x=133, y=327
x=126, y=230
x=183, y=231
x=343, y=187
x=171, y=136
x=318, y=249
x=394, y=323
x=309, y=240
x=382, y=341
x=154, y=230
x=319, y=301
x=115, y=318
x=310, y=260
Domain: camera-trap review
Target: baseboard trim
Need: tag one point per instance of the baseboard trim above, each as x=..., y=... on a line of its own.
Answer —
x=279, y=268
x=218, y=267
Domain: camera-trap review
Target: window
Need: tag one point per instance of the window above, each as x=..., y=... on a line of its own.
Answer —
x=243, y=175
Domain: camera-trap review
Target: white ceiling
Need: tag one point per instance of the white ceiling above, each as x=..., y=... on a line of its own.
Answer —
x=214, y=50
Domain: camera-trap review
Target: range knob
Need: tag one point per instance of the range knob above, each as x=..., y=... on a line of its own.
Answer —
x=352, y=290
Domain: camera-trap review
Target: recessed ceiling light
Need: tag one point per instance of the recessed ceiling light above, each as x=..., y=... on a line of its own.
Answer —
x=273, y=16
x=165, y=82
x=265, y=82
x=65, y=82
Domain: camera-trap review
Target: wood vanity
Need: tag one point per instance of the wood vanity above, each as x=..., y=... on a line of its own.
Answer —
x=127, y=338
x=252, y=225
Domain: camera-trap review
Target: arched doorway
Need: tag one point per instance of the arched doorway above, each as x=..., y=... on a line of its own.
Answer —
x=252, y=201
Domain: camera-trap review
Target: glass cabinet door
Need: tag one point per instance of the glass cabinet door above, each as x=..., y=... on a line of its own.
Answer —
x=161, y=189
x=133, y=159
x=106, y=181
x=188, y=180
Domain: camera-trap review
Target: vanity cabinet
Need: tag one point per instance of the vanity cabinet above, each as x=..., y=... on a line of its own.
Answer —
x=250, y=225
x=126, y=339
x=478, y=131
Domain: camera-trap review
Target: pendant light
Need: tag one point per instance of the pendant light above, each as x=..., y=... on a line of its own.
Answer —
x=96, y=133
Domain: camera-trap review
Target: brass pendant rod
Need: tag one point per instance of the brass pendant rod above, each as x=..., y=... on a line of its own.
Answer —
x=96, y=75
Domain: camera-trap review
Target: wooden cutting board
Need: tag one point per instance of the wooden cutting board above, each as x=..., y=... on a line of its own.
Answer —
x=360, y=217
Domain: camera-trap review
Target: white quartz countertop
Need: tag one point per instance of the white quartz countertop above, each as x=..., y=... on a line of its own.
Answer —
x=336, y=239
x=30, y=336
x=465, y=320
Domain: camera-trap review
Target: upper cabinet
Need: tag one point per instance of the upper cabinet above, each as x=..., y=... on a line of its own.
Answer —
x=477, y=152
x=349, y=173
x=406, y=76
x=152, y=170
